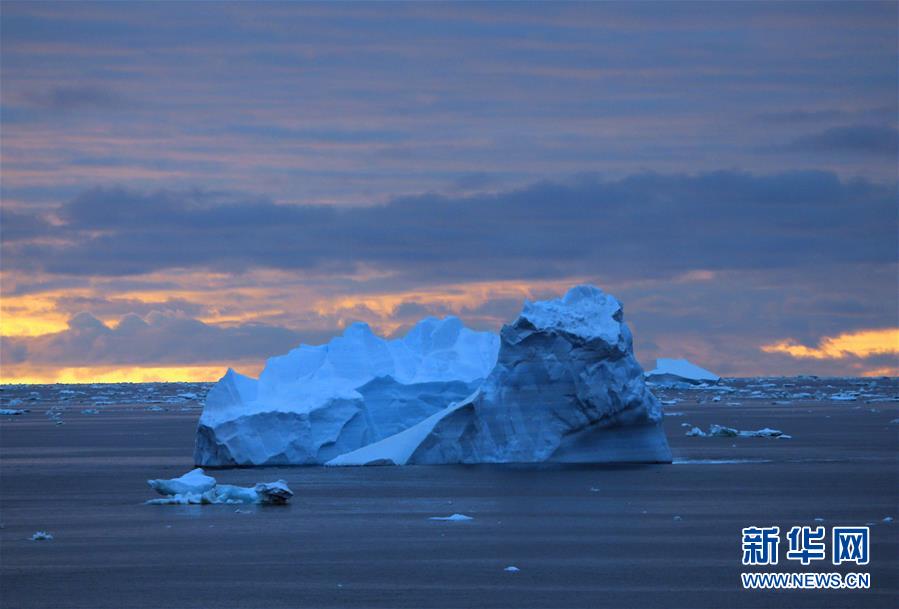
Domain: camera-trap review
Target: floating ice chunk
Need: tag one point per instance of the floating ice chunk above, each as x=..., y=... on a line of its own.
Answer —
x=844, y=397
x=766, y=432
x=12, y=411
x=194, y=482
x=453, y=518
x=720, y=431
x=41, y=536
x=90, y=411
x=888, y=519
x=275, y=493
x=195, y=487
x=679, y=373
x=511, y=569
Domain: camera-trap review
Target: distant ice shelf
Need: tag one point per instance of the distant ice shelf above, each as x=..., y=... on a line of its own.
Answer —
x=680, y=372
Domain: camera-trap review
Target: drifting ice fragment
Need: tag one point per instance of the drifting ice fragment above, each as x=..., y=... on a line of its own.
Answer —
x=41, y=536
x=453, y=518
x=512, y=569
x=679, y=372
x=12, y=411
x=720, y=431
x=195, y=487
x=194, y=482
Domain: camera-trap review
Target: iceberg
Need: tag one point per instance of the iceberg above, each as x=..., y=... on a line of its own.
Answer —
x=680, y=373
x=566, y=388
x=318, y=402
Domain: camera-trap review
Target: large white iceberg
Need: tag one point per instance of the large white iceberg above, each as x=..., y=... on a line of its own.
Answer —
x=679, y=372
x=318, y=402
x=566, y=388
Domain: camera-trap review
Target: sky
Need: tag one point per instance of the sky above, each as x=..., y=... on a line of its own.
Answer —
x=192, y=186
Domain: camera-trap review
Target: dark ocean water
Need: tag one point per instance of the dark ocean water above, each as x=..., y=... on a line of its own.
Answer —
x=76, y=462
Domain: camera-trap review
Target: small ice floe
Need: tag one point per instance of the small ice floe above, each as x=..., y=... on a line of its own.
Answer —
x=720, y=431
x=894, y=422
x=677, y=518
x=195, y=487
x=511, y=569
x=670, y=402
x=453, y=518
x=782, y=402
x=12, y=411
x=593, y=489
x=718, y=461
x=819, y=519
x=42, y=536
x=90, y=411
x=14, y=402
x=674, y=414
x=155, y=408
x=888, y=519
x=844, y=397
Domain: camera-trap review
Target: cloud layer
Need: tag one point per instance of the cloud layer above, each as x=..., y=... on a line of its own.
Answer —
x=647, y=225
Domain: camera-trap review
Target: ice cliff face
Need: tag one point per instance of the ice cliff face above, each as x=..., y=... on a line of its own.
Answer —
x=566, y=388
x=316, y=403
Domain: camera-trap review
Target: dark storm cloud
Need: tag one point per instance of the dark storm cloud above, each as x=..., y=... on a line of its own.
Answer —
x=861, y=139
x=16, y=225
x=158, y=339
x=646, y=225
x=75, y=97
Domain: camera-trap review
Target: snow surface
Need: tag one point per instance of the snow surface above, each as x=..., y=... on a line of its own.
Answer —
x=318, y=402
x=673, y=371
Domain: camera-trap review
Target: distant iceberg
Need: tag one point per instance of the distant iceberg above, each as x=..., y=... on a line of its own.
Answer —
x=561, y=384
x=675, y=372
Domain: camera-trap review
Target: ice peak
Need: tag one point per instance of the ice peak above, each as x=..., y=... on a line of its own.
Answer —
x=584, y=311
x=358, y=329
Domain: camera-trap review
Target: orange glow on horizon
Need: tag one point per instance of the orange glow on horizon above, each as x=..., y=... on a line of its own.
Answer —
x=864, y=343
x=131, y=374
